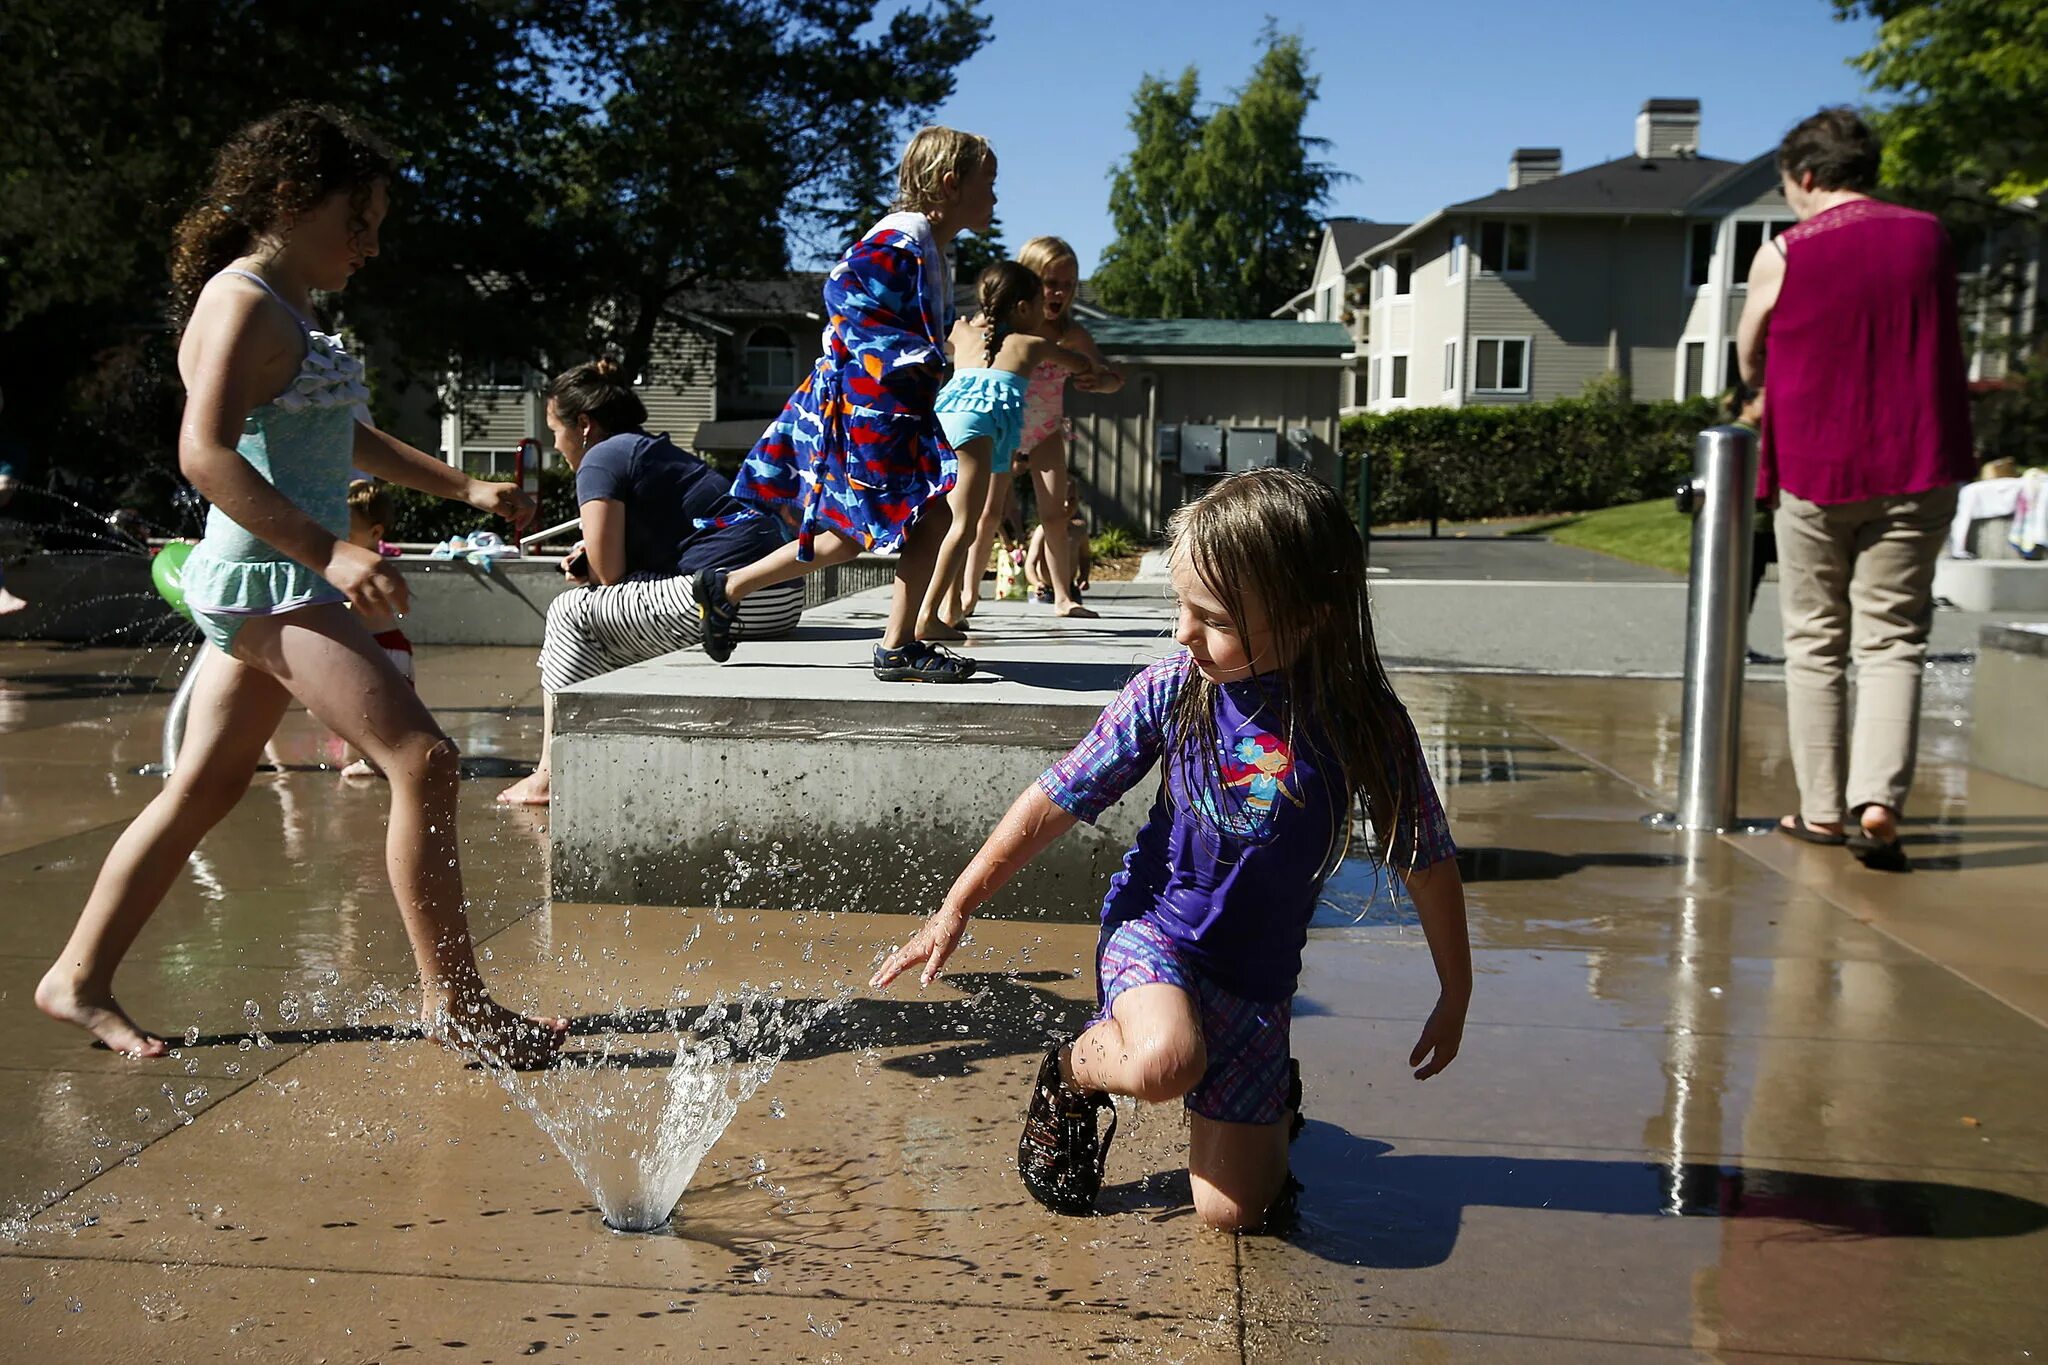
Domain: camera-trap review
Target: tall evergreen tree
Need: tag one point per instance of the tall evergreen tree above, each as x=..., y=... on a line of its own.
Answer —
x=1218, y=215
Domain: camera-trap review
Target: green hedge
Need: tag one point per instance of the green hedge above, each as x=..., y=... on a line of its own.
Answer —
x=423, y=517
x=1570, y=455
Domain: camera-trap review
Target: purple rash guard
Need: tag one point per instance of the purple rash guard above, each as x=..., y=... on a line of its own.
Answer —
x=1231, y=872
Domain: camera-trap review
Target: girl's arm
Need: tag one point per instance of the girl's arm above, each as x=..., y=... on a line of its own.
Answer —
x=384, y=456
x=1026, y=830
x=604, y=539
x=1037, y=351
x=1105, y=378
x=1439, y=895
x=239, y=352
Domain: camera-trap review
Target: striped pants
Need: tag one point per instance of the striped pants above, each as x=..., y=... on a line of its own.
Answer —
x=592, y=631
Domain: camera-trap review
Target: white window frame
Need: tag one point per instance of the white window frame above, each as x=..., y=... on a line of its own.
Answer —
x=1372, y=383
x=1527, y=272
x=1451, y=366
x=1738, y=264
x=1395, y=265
x=787, y=350
x=1706, y=345
x=1326, y=303
x=1454, y=259
x=1528, y=365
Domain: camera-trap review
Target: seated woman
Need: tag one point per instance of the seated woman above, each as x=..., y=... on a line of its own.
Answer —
x=640, y=499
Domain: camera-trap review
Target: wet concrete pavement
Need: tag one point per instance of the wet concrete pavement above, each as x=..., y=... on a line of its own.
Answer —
x=1732, y=1100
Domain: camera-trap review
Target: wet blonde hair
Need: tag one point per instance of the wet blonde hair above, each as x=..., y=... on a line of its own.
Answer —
x=1281, y=542
x=372, y=498
x=1038, y=254
x=933, y=153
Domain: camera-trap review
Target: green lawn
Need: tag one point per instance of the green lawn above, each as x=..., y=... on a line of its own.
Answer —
x=1650, y=533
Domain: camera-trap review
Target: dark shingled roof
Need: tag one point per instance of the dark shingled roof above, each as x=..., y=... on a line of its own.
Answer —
x=1665, y=184
x=1220, y=336
x=1355, y=235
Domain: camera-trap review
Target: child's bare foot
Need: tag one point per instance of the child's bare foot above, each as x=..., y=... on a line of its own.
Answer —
x=9, y=603
x=97, y=1013
x=493, y=1036
x=531, y=790
x=360, y=769
x=944, y=631
x=1076, y=612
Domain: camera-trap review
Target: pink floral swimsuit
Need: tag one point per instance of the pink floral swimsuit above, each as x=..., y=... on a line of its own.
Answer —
x=1045, y=403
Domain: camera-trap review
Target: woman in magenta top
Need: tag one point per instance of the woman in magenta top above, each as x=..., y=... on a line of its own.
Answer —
x=1851, y=328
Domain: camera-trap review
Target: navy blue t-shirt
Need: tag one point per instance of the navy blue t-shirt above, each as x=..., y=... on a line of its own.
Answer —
x=665, y=492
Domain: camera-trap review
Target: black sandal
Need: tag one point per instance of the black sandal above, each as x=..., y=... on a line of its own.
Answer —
x=1879, y=855
x=922, y=662
x=1806, y=833
x=1061, y=1156
x=718, y=616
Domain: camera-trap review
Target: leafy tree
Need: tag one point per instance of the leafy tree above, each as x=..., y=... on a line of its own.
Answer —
x=1972, y=77
x=570, y=170
x=1218, y=216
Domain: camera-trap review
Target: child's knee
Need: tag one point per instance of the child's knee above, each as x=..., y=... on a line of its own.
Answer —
x=426, y=757
x=1169, y=1067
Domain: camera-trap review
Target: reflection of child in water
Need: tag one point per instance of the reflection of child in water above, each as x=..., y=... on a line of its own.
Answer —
x=1038, y=565
x=371, y=511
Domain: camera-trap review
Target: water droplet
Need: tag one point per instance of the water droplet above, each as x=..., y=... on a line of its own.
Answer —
x=760, y=1275
x=288, y=1008
x=142, y=1115
x=775, y=1110
x=194, y=1095
x=192, y=1036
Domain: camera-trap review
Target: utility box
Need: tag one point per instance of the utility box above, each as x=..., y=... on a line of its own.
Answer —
x=1166, y=443
x=1201, y=449
x=1250, y=448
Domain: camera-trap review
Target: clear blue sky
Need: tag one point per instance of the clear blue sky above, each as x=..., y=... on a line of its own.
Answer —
x=1422, y=103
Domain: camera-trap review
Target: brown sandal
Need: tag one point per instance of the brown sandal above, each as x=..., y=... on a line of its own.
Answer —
x=1061, y=1156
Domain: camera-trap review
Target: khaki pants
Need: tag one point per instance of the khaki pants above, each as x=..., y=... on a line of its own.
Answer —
x=1861, y=575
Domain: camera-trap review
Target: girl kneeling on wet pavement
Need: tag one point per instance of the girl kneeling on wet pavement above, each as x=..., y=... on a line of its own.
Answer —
x=274, y=421
x=1273, y=721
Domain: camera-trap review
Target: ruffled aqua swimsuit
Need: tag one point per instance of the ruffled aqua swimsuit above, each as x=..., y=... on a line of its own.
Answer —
x=984, y=403
x=303, y=443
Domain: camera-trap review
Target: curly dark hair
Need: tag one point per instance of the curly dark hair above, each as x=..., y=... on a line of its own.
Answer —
x=270, y=170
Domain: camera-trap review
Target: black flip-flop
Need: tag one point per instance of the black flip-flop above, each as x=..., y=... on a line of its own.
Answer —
x=1806, y=833
x=1879, y=855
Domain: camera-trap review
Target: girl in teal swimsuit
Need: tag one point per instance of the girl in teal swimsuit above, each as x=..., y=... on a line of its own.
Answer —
x=273, y=422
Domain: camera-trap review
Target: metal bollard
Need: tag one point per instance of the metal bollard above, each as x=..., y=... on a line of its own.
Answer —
x=1722, y=500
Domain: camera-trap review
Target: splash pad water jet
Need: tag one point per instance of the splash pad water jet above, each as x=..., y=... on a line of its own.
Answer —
x=636, y=1123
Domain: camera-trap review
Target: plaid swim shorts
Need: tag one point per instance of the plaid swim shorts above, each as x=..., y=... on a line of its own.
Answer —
x=1247, y=1040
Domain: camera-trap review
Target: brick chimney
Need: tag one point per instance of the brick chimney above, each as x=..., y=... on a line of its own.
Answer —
x=1668, y=128
x=1533, y=165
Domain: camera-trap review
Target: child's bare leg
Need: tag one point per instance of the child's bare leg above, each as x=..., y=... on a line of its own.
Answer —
x=1237, y=1170
x=914, y=572
x=1149, y=1048
x=1049, y=469
x=984, y=539
x=965, y=502
x=235, y=709
x=330, y=663
x=781, y=565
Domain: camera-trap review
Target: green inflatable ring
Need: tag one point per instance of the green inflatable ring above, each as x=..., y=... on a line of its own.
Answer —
x=167, y=572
